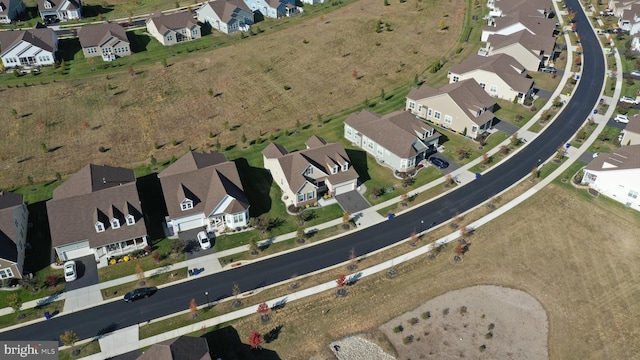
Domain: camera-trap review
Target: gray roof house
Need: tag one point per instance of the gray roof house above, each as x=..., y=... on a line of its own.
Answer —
x=204, y=190
x=398, y=140
x=180, y=348
x=463, y=107
x=306, y=175
x=108, y=40
x=9, y=10
x=52, y=11
x=631, y=132
x=28, y=48
x=499, y=75
x=97, y=212
x=227, y=16
x=528, y=17
x=173, y=28
x=630, y=19
x=616, y=175
x=529, y=50
x=14, y=218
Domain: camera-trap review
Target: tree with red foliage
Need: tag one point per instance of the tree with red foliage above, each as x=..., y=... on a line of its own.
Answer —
x=255, y=340
x=263, y=308
x=354, y=74
x=341, y=280
x=193, y=308
x=51, y=280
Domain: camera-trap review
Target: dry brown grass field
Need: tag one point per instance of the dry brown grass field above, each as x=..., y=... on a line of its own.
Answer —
x=575, y=254
x=128, y=114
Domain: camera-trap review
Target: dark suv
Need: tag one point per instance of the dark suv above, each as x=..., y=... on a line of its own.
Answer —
x=438, y=162
x=139, y=294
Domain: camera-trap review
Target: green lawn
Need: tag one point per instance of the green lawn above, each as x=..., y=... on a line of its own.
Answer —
x=53, y=308
x=87, y=349
x=156, y=280
x=43, y=291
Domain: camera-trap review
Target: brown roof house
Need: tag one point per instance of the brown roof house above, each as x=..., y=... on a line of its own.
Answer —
x=529, y=50
x=173, y=28
x=462, y=106
x=108, y=40
x=14, y=218
x=9, y=10
x=616, y=175
x=97, y=212
x=306, y=175
x=204, y=190
x=180, y=348
x=631, y=132
x=227, y=16
x=28, y=48
x=531, y=16
x=52, y=11
x=398, y=140
x=499, y=75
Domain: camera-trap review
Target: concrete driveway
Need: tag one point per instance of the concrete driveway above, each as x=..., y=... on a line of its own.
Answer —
x=192, y=246
x=87, y=273
x=352, y=202
x=506, y=127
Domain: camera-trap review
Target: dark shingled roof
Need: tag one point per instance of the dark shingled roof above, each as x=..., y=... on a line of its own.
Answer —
x=40, y=37
x=397, y=132
x=175, y=21
x=503, y=65
x=96, y=35
x=226, y=9
x=95, y=193
x=533, y=43
x=204, y=178
x=180, y=348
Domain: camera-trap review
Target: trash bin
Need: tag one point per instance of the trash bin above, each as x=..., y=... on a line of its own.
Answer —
x=47, y=315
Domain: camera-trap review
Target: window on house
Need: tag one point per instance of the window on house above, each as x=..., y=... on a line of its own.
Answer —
x=130, y=220
x=437, y=115
x=349, y=132
x=170, y=38
x=493, y=88
x=115, y=223
x=47, y=5
x=6, y=273
x=448, y=119
x=345, y=166
x=379, y=151
x=482, y=85
x=186, y=204
x=429, y=112
x=310, y=195
x=300, y=197
x=412, y=105
x=474, y=129
x=335, y=169
x=99, y=227
x=633, y=194
x=419, y=108
x=238, y=218
x=456, y=78
x=309, y=170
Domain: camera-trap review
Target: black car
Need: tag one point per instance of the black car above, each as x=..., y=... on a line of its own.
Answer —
x=438, y=162
x=139, y=294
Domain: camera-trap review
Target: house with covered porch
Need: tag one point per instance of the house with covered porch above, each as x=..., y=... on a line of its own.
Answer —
x=97, y=212
x=29, y=48
x=204, y=190
x=52, y=11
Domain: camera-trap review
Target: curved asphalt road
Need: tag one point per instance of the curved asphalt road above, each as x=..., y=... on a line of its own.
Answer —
x=115, y=315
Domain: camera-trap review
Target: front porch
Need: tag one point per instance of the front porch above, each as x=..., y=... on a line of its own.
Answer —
x=104, y=253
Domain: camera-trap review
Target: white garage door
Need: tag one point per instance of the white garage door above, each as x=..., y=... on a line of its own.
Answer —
x=78, y=253
x=341, y=189
x=191, y=224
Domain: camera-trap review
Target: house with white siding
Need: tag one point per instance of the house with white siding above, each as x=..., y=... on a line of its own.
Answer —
x=227, y=16
x=173, y=28
x=28, y=48
x=10, y=9
x=52, y=11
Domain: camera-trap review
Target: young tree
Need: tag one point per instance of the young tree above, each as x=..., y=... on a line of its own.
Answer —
x=156, y=256
x=253, y=245
x=263, y=310
x=382, y=95
x=235, y=290
x=193, y=308
x=353, y=260
x=413, y=238
x=255, y=340
x=515, y=141
x=69, y=338
x=301, y=235
x=354, y=75
x=341, y=281
x=443, y=25
x=139, y=272
x=346, y=217
x=51, y=280
x=15, y=302
x=485, y=158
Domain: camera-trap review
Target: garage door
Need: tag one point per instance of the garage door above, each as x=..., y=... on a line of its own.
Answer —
x=341, y=189
x=78, y=253
x=191, y=224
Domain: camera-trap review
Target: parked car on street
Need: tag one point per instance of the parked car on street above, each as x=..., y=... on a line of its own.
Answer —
x=139, y=294
x=621, y=119
x=70, y=273
x=203, y=240
x=629, y=100
x=439, y=163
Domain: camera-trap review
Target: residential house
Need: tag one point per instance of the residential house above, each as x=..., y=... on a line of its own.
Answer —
x=499, y=75
x=173, y=28
x=631, y=132
x=97, y=212
x=52, y=11
x=616, y=175
x=14, y=218
x=28, y=48
x=204, y=190
x=521, y=18
x=462, y=106
x=630, y=19
x=398, y=140
x=227, y=16
x=306, y=175
x=180, y=348
x=272, y=8
x=10, y=9
x=618, y=7
x=108, y=40
x=529, y=50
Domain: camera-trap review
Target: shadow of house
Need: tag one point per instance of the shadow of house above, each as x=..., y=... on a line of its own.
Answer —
x=257, y=184
x=95, y=10
x=40, y=253
x=153, y=205
x=225, y=343
x=359, y=162
x=137, y=42
x=68, y=48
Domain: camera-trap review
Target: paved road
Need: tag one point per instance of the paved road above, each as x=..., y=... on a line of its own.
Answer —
x=115, y=315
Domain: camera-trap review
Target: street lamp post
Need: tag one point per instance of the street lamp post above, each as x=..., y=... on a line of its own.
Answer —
x=421, y=225
x=206, y=293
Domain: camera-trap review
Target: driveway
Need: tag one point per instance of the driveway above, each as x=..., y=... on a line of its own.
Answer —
x=545, y=94
x=87, y=269
x=506, y=127
x=192, y=247
x=352, y=202
x=453, y=166
x=616, y=124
